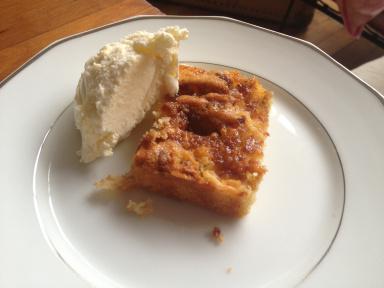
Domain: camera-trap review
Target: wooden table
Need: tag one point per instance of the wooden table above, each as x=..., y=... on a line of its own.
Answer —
x=27, y=26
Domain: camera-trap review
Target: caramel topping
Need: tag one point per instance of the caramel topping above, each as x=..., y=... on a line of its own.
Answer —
x=220, y=118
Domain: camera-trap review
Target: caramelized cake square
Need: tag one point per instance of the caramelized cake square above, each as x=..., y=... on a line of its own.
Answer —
x=206, y=146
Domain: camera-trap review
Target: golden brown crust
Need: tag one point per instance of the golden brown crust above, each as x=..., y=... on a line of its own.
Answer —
x=206, y=147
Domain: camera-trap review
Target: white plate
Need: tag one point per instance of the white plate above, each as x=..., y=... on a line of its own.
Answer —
x=317, y=219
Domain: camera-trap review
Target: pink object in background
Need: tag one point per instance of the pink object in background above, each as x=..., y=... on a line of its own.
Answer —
x=357, y=13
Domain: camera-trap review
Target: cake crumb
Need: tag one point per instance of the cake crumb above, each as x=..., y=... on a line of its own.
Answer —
x=217, y=235
x=142, y=208
x=111, y=183
x=229, y=270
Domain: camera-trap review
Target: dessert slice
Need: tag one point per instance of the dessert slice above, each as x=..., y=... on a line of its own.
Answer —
x=206, y=146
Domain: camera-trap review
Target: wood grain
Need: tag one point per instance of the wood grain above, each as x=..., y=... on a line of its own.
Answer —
x=27, y=26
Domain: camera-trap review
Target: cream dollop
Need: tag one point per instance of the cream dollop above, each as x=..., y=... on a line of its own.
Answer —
x=121, y=83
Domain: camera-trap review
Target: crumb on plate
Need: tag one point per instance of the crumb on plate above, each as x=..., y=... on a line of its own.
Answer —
x=217, y=235
x=229, y=270
x=111, y=183
x=142, y=208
